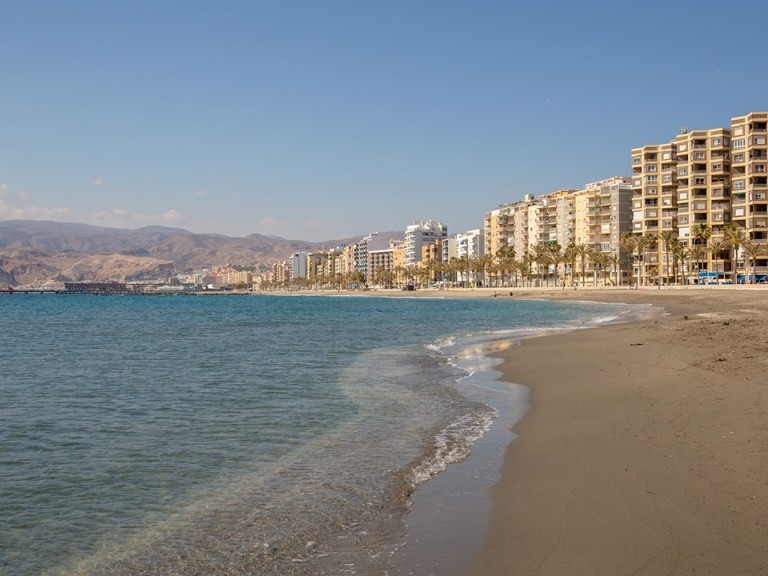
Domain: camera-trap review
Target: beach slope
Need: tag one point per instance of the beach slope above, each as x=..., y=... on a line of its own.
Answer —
x=646, y=448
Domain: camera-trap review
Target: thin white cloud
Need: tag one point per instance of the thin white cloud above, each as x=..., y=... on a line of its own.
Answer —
x=8, y=212
x=12, y=207
x=120, y=218
x=271, y=225
x=172, y=216
x=98, y=181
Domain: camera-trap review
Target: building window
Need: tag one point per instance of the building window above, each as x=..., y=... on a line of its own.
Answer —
x=739, y=144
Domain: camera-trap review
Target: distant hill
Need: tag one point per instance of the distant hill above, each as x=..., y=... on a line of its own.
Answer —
x=38, y=251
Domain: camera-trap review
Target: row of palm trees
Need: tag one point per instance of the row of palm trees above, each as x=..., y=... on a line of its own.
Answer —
x=550, y=263
x=735, y=242
x=544, y=264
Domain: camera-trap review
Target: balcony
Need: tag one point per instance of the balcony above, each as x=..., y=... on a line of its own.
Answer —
x=757, y=222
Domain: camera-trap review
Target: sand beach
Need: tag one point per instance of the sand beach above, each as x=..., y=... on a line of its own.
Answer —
x=645, y=450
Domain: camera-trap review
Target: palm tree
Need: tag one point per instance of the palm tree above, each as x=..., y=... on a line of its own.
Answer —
x=463, y=266
x=628, y=242
x=644, y=242
x=399, y=271
x=716, y=248
x=678, y=251
x=583, y=251
x=735, y=236
x=697, y=253
x=539, y=255
x=752, y=250
x=701, y=233
x=485, y=262
x=555, y=255
x=604, y=261
x=667, y=237
x=612, y=259
x=526, y=267
x=505, y=256
x=569, y=257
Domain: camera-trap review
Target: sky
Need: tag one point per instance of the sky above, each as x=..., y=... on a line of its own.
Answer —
x=316, y=120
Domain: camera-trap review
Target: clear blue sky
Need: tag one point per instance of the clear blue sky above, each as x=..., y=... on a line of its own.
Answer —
x=319, y=119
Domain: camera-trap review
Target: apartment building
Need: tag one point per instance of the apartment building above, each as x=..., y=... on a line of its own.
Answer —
x=749, y=174
x=421, y=232
x=507, y=226
x=693, y=188
x=608, y=205
x=596, y=215
x=379, y=264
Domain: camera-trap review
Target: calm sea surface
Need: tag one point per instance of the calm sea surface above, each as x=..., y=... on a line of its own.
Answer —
x=234, y=435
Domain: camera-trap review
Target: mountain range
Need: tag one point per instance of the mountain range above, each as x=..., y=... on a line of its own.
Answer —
x=35, y=252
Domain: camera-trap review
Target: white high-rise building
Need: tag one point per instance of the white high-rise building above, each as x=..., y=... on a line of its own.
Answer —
x=418, y=234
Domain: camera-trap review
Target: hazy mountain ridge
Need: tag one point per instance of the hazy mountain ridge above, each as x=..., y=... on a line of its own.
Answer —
x=34, y=251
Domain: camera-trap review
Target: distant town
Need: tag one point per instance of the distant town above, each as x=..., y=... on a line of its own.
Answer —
x=693, y=211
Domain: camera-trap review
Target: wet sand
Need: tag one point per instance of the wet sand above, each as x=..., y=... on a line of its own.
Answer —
x=645, y=451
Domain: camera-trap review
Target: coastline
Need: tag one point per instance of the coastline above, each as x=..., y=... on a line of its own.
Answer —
x=644, y=448
x=643, y=451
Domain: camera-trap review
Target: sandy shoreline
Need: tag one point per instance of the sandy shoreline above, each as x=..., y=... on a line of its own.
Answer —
x=646, y=448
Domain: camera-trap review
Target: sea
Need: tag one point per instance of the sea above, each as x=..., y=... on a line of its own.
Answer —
x=242, y=435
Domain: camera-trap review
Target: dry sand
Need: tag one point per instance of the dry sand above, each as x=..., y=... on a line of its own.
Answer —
x=646, y=448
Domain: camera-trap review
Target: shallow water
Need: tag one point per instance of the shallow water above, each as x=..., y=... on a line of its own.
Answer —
x=249, y=435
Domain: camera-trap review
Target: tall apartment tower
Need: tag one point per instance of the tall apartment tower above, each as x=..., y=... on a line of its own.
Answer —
x=419, y=233
x=704, y=180
x=609, y=213
x=655, y=183
x=507, y=226
x=749, y=174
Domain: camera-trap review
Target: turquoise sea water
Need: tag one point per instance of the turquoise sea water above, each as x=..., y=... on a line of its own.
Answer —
x=234, y=435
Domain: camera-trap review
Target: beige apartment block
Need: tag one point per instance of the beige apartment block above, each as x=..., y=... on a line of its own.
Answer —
x=507, y=227
x=749, y=179
x=655, y=182
x=595, y=216
x=703, y=181
x=602, y=213
x=693, y=188
x=556, y=218
x=379, y=266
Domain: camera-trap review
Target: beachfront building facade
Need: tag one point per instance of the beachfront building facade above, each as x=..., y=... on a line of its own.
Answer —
x=420, y=233
x=379, y=266
x=298, y=265
x=749, y=175
x=698, y=198
x=543, y=228
x=470, y=245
